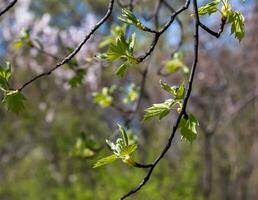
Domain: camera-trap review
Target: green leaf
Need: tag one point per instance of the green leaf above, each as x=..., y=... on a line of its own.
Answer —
x=176, y=63
x=237, y=25
x=14, y=100
x=81, y=150
x=24, y=39
x=104, y=97
x=158, y=110
x=226, y=9
x=5, y=73
x=188, y=128
x=124, y=134
x=128, y=150
x=77, y=79
x=121, y=48
x=169, y=89
x=3, y=84
x=132, y=94
x=115, y=30
x=209, y=8
x=180, y=92
x=122, y=69
x=129, y=18
x=105, y=161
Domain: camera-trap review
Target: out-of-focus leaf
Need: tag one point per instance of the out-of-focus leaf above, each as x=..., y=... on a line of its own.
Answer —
x=14, y=100
x=176, y=63
x=77, y=79
x=132, y=94
x=104, y=97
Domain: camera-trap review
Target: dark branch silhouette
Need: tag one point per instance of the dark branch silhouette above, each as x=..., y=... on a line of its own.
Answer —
x=75, y=51
x=8, y=7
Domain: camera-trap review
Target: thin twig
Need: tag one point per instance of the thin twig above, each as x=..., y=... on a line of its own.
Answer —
x=162, y=30
x=213, y=33
x=75, y=51
x=182, y=113
x=8, y=7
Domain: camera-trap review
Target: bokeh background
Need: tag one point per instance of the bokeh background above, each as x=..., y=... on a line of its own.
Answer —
x=36, y=147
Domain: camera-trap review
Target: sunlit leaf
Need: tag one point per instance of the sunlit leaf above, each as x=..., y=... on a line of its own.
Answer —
x=129, y=18
x=105, y=161
x=128, y=150
x=209, y=8
x=158, y=110
x=121, y=48
x=188, y=128
x=237, y=25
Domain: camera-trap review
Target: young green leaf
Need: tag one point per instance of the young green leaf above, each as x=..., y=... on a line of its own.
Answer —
x=115, y=30
x=162, y=109
x=82, y=150
x=128, y=150
x=121, y=150
x=176, y=63
x=132, y=94
x=237, y=25
x=121, y=48
x=209, y=8
x=178, y=93
x=122, y=69
x=124, y=134
x=14, y=100
x=226, y=9
x=169, y=89
x=129, y=18
x=158, y=110
x=5, y=73
x=188, y=128
x=104, y=97
x=105, y=161
x=77, y=79
x=24, y=39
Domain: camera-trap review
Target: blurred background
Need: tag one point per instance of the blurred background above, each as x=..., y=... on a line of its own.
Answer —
x=47, y=151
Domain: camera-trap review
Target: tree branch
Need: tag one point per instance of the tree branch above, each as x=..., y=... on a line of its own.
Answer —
x=213, y=33
x=182, y=113
x=75, y=51
x=162, y=30
x=8, y=7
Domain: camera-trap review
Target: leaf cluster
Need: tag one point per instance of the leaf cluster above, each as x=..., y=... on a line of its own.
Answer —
x=176, y=63
x=104, y=97
x=14, y=99
x=122, y=149
x=235, y=18
x=121, y=48
x=129, y=18
x=162, y=109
